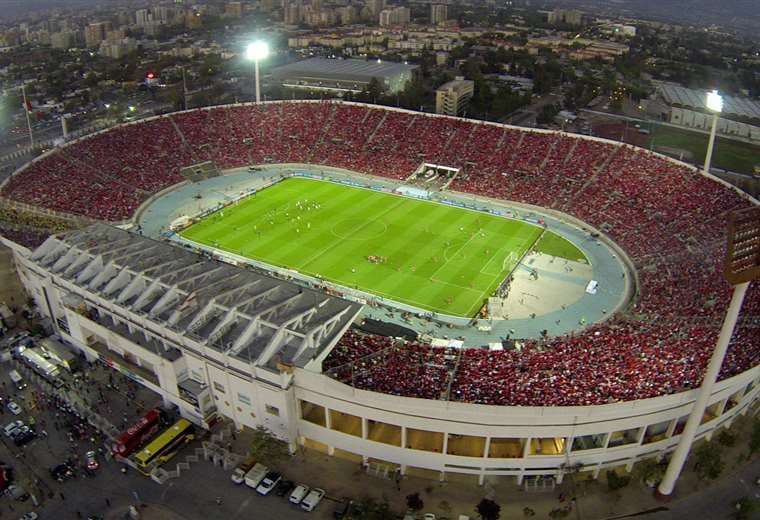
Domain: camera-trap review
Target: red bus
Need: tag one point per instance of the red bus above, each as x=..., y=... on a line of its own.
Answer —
x=136, y=435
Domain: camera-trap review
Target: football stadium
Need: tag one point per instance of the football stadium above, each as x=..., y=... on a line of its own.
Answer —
x=423, y=294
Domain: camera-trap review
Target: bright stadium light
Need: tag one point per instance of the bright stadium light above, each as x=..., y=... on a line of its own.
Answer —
x=132, y=108
x=714, y=103
x=257, y=51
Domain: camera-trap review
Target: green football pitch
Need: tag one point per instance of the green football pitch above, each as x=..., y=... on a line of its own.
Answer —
x=432, y=256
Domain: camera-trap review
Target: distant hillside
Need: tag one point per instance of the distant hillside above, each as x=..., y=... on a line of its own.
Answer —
x=743, y=15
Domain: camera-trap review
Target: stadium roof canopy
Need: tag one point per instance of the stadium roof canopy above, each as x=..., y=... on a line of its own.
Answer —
x=247, y=315
x=695, y=98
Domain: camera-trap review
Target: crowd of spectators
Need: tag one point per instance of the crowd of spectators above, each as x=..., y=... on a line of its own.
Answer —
x=666, y=216
x=30, y=228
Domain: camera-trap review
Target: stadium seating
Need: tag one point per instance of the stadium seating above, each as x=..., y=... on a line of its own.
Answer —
x=668, y=218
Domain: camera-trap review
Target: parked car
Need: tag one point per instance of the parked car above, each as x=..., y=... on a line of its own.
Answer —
x=347, y=508
x=14, y=408
x=298, y=494
x=61, y=472
x=92, y=460
x=24, y=437
x=268, y=483
x=238, y=475
x=31, y=515
x=284, y=487
x=428, y=516
x=17, y=493
x=10, y=429
x=312, y=499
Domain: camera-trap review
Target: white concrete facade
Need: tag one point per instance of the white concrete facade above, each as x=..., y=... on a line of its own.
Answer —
x=550, y=440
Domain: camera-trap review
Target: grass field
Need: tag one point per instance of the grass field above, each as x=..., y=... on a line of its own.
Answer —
x=432, y=256
x=728, y=154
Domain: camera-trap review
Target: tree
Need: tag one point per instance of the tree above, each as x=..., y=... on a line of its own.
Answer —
x=267, y=448
x=414, y=502
x=488, y=509
x=374, y=89
x=709, y=461
x=615, y=481
x=371, y=510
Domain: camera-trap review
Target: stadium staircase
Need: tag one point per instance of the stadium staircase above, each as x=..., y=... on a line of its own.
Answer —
x=211, y=450
x=326, y=128
x=571, y=197
x=372, y=135
x=183, y=139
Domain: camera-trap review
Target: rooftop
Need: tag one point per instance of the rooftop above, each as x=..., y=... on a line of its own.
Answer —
x=340, y=67
x=696, y=98
x=247, y=315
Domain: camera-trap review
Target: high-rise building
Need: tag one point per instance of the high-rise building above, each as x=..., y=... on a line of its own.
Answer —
x=395, y=16
x=95, y=33
x=161, y=14
x=438, y=13
x=375, y=6
x=566, y=16
x=234, y=9
x=451, y=98
x=292, y=14
x=142, y=17
x=63, y=40
x=348, y=15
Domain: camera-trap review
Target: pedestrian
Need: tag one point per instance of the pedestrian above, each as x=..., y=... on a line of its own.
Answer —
x=219, y=501
x=62, y=497
x=108, y=502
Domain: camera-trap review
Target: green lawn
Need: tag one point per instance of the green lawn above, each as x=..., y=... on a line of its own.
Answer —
x=728, y=154
x=429, y=255
x=555, y=245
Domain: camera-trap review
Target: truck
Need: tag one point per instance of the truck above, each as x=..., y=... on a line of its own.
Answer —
x=255, y=475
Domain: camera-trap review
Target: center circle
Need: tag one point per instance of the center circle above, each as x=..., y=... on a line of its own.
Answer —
x=359, y=229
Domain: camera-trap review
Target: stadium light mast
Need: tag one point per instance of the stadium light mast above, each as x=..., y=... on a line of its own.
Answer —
x=741, y=268
x=257, y=51
x=28, y=116
x=714, y=103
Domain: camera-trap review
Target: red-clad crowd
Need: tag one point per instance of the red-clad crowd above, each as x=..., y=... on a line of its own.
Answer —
x=667, y=217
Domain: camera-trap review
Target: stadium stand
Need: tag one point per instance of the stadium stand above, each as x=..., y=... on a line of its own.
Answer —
x=666, y=216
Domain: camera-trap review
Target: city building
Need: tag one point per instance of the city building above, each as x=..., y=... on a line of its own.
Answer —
x=395, y=16
x=143, y=17
x=438, y=14
x=451, y=98
x=567, y=17
x=374, y=7
x=63, y=40
x=95, y=33
x=339, y=76
x=234, y=9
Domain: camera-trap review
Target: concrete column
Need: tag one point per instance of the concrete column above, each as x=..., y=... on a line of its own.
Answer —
x=526, y=448
x=403, y=437
x=445, y=443
x=365, y=428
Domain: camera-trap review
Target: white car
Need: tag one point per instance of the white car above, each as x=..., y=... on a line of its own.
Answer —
x=14, y=408
x=268, y=483
x=428, y=516
x=238, y=476
x=30, y=516
x=11, y=428
x=298, y=494
x=312, y=499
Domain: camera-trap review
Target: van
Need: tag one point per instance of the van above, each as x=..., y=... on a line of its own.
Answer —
x=256, y=474
x=17, y=380
x=312, y=499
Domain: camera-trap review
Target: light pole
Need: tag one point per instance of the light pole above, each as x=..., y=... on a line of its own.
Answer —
x=256, y=52
x=28, y=117
x=715, y=104
x=742, y=267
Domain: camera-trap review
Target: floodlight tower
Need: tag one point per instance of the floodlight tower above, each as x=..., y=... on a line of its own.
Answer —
x=714, y=103
x=257, y=51
x=742, y=266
